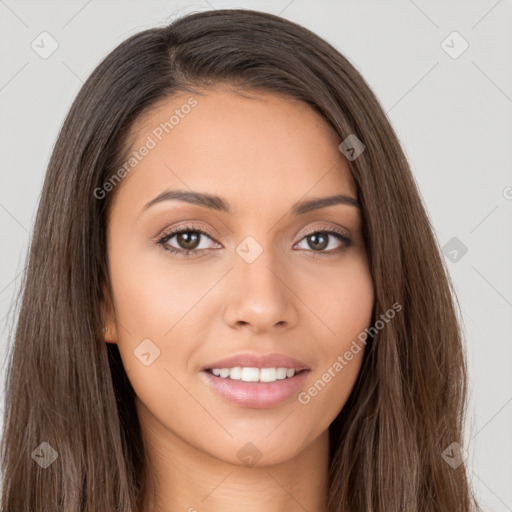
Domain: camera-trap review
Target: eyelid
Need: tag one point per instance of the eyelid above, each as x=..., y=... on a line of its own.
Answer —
x=329, y=228
x=344, y=237
x=169, y=233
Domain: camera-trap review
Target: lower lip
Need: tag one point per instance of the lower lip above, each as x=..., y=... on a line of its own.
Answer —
x=258, y=395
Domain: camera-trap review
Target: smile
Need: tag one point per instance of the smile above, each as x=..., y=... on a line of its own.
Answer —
x=251, y=389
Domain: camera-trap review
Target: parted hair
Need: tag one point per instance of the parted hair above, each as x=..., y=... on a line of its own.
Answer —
x=67, y=387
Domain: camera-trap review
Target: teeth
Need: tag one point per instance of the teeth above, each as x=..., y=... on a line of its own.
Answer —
x=250, y=374
x=281, y=373
x=254, y=374
x=268, y=375
x=235, y=373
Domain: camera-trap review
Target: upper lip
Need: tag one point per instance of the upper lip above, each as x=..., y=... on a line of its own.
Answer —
x=258, y=361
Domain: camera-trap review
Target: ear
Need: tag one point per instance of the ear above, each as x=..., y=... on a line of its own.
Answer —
x=108, y=315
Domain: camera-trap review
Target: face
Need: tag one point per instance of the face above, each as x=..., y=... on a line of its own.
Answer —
x=265, y=284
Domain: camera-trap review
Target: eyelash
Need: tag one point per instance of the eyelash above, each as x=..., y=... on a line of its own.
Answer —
x=337, y=233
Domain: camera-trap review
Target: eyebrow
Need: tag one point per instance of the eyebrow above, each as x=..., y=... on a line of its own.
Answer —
x=214, y=202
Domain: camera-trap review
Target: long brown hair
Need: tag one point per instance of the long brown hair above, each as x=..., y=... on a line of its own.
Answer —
x=68, y=388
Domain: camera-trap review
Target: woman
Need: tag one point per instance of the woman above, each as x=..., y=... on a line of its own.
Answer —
x=234, y=298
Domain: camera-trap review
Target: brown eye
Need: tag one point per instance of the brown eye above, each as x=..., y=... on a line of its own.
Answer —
x=188, y=240
x=318, y=241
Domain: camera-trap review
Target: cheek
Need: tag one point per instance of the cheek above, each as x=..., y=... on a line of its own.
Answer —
x=343, y=299
x=346, y=311
x=151, y=300
x=152, y=292
x=154, y=338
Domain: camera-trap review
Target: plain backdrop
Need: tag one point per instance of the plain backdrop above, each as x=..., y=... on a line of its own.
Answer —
x=451, y=107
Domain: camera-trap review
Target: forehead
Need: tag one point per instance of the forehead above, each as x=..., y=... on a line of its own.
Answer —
x=253, y=147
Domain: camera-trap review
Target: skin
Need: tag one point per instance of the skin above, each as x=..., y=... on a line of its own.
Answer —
x=261, y=153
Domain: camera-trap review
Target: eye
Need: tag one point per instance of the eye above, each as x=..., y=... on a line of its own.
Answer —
x=188, y=240
x=322, y=241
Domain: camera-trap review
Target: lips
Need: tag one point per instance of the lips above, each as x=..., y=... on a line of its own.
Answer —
x=285, y=376
x=258, y=361
x=256, y=395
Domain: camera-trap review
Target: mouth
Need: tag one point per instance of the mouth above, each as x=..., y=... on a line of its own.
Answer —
x=256, y=388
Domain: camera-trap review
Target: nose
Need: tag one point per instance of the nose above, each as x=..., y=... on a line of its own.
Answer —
x=261, y=296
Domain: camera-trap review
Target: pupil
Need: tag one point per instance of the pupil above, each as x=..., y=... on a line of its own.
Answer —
x=190, y=237
x=315, y=238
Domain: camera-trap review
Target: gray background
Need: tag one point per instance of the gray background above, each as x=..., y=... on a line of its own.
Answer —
x=452, y=115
